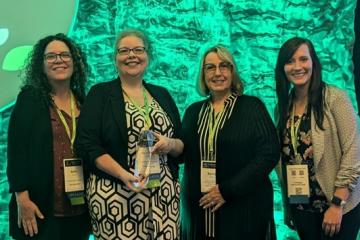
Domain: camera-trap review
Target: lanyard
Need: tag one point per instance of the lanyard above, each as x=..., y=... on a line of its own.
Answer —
x=145, y=115
x=213, y=125
x=294, y=131
x=73, y=119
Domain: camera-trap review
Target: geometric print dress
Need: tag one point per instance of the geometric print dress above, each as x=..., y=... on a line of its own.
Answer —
x=119, y=213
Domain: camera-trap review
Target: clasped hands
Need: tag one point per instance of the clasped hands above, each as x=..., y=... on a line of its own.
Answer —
x=212, y=199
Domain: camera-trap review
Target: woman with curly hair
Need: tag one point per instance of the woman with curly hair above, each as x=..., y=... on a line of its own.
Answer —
x=42, y=129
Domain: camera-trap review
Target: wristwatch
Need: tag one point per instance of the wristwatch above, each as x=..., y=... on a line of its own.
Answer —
x=338, y=201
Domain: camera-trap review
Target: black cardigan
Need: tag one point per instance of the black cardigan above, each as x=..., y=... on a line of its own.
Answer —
x=30, y=156
x=247, y=151
x=102, y=125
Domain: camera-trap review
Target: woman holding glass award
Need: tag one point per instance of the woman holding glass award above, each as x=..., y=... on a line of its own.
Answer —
x=126, y=123
x=230, y=147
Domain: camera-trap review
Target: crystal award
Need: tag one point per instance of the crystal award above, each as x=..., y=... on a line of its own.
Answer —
x=147, y=164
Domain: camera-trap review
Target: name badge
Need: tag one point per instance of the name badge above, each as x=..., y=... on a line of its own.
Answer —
x=208, y=175
x=74, y=180
x=298, y=183
x=147, y=165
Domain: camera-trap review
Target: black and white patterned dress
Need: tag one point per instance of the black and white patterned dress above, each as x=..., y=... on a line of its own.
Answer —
x=151, y=214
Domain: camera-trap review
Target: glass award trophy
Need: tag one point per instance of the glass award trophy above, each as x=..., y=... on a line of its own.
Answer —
x=147, y=164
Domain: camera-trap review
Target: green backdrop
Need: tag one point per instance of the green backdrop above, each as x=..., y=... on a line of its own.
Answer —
x=180, y=29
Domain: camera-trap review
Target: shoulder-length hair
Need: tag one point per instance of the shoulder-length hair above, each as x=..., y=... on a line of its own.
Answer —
x=283, y=91
x=224, y=55
x=36, y=77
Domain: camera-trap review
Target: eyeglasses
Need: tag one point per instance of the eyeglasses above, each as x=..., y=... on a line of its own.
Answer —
x=52, y=57
x=126, y=51
x=224, y=67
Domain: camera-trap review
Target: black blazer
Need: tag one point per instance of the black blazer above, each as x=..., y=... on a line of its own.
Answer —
x=102, y=125
x=30, y=155
x=247, y=151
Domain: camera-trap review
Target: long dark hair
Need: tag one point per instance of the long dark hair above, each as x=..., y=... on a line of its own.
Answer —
x=316, y=87
x=36, y=77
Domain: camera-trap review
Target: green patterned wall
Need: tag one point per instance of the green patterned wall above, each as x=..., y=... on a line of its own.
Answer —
x=4, y=196
x=254, y=31
x=180, y=29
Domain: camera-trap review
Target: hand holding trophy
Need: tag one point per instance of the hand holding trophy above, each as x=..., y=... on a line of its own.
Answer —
x=147, y=163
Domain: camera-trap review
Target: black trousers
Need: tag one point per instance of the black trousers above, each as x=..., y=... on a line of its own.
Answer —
x=309, y=225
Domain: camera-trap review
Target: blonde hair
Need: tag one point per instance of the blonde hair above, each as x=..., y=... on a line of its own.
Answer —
x=225, y=55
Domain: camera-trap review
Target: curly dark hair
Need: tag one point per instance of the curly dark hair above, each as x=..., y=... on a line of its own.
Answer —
x=36, y=77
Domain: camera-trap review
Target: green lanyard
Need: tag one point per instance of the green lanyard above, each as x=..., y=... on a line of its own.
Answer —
x=73, y=119
x=293, y=131
x=145, y=115
x=213, y=125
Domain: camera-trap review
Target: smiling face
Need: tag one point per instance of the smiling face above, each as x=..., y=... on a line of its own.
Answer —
x=131, y=64
x=218, y=74
x=58, y=69
x=298, y=69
